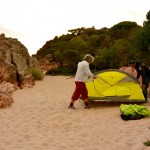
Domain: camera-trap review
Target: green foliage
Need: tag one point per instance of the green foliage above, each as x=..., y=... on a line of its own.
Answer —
x=147, y=143
x=77, y=31
x=71, y=57
x=125, y=25
x=104, y=41
x=143, y=39
x=67, y=37
x=120, y=50
x=122, y=29
x=61, y=46
x=147, y=22
x=112, y=47
x=148, y=16
x=90, y=31
x=54, y=71
x=83, y=30
x=77, y=43
x=93, y=40
x=102, y=59
x=36, y=73
x=60, y=71
x=58, y=58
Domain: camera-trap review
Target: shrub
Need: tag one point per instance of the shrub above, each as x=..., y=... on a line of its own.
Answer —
x=147, y=143
x=36, y=73
x=61, y=71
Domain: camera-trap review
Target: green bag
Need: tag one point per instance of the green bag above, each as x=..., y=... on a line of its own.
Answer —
x=133, y=111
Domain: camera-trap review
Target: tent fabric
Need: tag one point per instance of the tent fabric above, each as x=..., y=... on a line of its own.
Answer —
x=115, y=85
x=133, y=112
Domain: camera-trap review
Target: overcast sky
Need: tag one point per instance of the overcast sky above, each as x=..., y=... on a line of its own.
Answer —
x=33, y=22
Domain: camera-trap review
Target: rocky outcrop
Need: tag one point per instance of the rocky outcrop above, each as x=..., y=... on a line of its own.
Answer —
x=15, y=62
x=6, y=91
x=47, y=63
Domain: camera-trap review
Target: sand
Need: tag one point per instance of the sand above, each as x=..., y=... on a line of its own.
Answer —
x=40, y=120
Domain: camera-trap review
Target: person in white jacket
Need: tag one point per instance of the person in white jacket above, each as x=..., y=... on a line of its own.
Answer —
x=83, y=73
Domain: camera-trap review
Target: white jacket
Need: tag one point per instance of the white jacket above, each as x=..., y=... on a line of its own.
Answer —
x=83, y=72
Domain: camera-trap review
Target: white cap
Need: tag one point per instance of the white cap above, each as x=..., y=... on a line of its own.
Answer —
x=87, y=56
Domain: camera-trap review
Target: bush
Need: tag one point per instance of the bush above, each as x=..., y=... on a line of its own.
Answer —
x=147, y=143
x=36, y=73
x=61, y=71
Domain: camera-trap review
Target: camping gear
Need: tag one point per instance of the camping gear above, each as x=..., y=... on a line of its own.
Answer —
x=115, y=85
x=133, y=112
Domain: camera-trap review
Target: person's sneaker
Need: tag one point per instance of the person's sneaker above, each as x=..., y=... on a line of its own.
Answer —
x=87, y=107
x=71, y=107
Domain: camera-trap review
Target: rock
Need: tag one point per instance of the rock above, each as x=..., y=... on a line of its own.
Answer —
x=15, y=63
x=47, y=63
x=7, y=88
x=5, y=101
x=15, y=59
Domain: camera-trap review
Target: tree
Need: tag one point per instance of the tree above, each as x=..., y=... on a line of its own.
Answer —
x=119, y=53
x=102, y=59
x=122, y=29
x=58, y=58
x=147, y=21
x=71, y=57
x=77, y=43
x=93, y=40
x=142, y=40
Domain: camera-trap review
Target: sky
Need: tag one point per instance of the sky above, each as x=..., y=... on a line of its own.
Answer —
x=34, y=22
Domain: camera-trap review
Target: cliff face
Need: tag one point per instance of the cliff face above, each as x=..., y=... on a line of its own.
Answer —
x=14, y=64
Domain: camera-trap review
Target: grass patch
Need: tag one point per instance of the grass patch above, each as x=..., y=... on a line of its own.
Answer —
x=36, y=73
x=147, y=143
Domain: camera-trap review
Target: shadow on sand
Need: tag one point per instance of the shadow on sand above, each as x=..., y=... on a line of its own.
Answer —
x=110, y=103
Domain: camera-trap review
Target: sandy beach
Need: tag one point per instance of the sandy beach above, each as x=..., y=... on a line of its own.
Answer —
x=40, y=120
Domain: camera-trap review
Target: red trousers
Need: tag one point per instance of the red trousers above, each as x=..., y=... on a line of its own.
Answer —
x=80, y=90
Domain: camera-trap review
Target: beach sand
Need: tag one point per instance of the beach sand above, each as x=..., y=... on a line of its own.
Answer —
x=40, y=120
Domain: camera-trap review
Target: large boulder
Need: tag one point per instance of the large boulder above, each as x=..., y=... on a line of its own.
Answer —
x=5, y=101
x=15, y=63
x=6, y=91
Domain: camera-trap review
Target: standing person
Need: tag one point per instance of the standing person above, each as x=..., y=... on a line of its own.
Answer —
x=144, y=72
x=148, y=90
x=82, y=74
x=131, y=68
x=149, y=83
x=147, y=80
